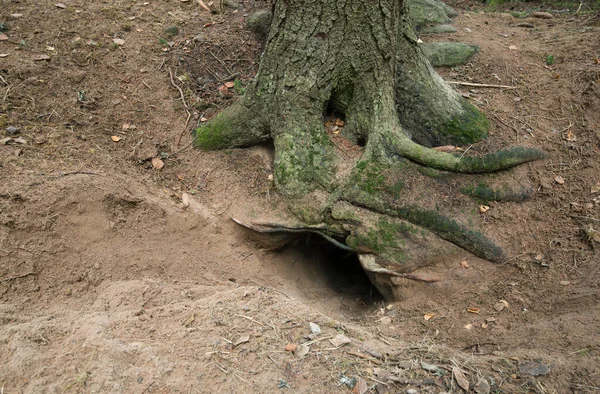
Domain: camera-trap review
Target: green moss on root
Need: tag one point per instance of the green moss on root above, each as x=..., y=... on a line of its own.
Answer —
x=469, y=127
x=503, y=193
x=215, y=134
x=451, y=231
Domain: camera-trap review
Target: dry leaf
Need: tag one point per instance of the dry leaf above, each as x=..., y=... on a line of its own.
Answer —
x=41, y=57
x=119, y=41
x=3, y=54
x=203, y=119
x=361, y=386
x=482, y=387
x=223, y=88
x=559, y=180
x=571, y=137
x=301, y=351
x=464, y=264
x=473, y=310
x=229, y=84
x=460, y=378
x=3, y=37
x=290, y=347
x=483, y=208
x=241, y=340
x=340, y=340
x=187, y=322
x=596, y=188
x=469, y=326
x=125, y=126
x=157, y=163
x=60, y=5
x=115, y=138
x=565, y=282
x=428, y=316
x=484, y=325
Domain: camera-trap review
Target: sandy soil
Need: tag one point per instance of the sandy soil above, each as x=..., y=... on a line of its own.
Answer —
x=110, y=283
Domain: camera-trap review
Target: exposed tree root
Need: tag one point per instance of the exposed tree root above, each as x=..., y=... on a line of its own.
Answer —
x=492, y=162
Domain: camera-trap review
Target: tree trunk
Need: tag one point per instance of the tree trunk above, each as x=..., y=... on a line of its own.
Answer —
x=359, y=58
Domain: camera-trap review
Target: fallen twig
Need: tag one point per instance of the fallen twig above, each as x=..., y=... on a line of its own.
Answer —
x=201, y=4
x=480, y=85
x=249, y=318
x=187, y=121
x=364, y=356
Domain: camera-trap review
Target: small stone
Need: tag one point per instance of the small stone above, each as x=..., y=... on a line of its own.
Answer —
x=314, y=328
x=559, y=180
x=11, y=130
x=411, y=391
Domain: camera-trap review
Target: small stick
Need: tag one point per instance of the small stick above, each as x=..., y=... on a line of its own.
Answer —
x=481, y=85
x=201, y=4
x=364, y=356
x=249, y=318
x=184, y=105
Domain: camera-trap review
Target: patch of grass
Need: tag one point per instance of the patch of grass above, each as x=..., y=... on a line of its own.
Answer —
x=171, y=31
x=550, y=60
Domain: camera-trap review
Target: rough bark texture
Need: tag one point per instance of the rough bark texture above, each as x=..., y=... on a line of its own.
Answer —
x=361, y=59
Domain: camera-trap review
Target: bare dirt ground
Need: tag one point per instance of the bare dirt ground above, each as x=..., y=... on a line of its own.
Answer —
x=110, y=283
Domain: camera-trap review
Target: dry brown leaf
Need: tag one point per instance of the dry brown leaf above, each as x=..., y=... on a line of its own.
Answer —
x=461, y=379
x=157, y=163
x=483, y=208
x=3, y=54
x=188, y=322
x=340, y=340
x=473, y=310
x=3, y=37
x=41, y=57
x=125, y=126
x=464, y=264
x=115, y=138
x=241, y=340
x=429, y=316
x=229, y=84
x=361, y=386
x=469, y=326
x=570, y=136
x=290, y=347
x=559, y=180
x=60, y=5
x=513, y=47
x=301, y=351
x=119, y=41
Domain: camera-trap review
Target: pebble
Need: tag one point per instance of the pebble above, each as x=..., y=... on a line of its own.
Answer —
x=411, y=391
x=11, y=130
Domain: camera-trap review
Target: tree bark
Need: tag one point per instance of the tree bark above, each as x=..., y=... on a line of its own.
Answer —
x=361, y=59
